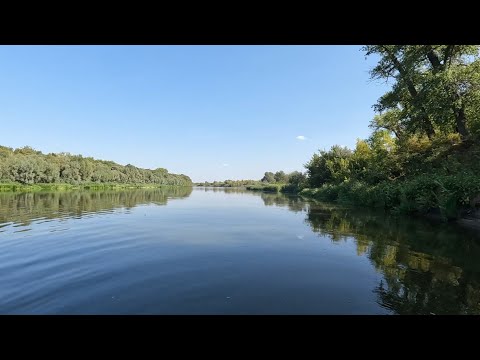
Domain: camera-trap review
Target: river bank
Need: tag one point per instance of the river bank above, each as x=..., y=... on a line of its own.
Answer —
x=62, y=187
x=466, y=215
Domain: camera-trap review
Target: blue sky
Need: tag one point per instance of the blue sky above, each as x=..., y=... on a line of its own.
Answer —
x=211, y=112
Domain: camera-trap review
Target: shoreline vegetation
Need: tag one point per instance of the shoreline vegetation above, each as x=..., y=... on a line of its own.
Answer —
x=26, y=169
x=66, y=187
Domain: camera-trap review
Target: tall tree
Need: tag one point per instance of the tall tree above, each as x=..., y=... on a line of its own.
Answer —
x=404, y=96
x=452, y=78
x=434, y=88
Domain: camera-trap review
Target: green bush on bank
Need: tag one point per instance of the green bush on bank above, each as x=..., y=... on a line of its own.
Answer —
x=449, y=194
x=267, y=188
x=64, y=187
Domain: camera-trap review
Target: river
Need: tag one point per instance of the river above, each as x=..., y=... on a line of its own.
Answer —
x=226, y=251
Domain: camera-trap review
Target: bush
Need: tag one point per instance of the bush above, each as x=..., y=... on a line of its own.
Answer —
x=266, y=188
x=448, y=194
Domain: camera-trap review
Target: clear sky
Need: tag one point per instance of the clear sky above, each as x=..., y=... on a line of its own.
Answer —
x=210, y=112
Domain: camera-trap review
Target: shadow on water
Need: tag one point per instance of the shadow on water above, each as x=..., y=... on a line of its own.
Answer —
x=293, y=203
x=427, y=267
x=22, y=208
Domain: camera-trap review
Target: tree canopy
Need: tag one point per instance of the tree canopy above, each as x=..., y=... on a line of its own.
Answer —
x=435, y=88
x=28, y=166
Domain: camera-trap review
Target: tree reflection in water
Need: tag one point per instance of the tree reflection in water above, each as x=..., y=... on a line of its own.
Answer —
x=23, y=208
x=427, y=268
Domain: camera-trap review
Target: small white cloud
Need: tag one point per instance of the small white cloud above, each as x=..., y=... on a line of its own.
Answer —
x=301, y=137
x=225, y=164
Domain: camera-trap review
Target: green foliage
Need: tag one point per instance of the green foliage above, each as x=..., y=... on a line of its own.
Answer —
x=271, y=182
x=269, y=177
x=267, y=188
x=275, y=178
x=30, y=167
x=281, y=177
x=229, y=183
x=296, y=182
x=329, y=166
x=449, y=194
x=435, y=88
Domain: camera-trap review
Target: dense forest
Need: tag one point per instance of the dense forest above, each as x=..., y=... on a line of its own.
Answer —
x=28, y=166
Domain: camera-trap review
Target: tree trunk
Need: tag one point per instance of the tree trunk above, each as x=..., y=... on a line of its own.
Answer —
x=458, y=112
x=428, y=127
x=461, y=123
x=427, y=123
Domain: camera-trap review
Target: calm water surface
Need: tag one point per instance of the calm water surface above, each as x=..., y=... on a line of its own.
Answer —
x=226, y=251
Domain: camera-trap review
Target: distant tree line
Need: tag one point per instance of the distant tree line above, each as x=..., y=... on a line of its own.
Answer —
x=29, y=166
x=280, y=180
x=293, y=181
x=227, y=183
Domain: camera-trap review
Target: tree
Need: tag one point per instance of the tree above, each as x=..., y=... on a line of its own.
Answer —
x=404, y=96
x=269, y=177
x=435, y=88
x=297, y=179
x=329, y=166
x=5, y=151
x=453, y=79
x=281, y=177
x=26, y=150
